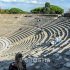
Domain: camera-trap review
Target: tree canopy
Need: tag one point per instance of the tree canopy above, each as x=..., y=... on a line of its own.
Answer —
x=48, y=9
x=16, y=11
x=56, y=9
x=38, y=10
x=4, y=11
x=47, y=4
x=12, y=11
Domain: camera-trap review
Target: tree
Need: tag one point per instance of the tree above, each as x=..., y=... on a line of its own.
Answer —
x=12, y=11
x=4, y=11
x=43, y=10
x=56, y=9
x=47, y=5
x=37, y=10
x=16, y=11
x=48, y=9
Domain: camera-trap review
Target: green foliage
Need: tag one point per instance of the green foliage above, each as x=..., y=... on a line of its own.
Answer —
x=12, y=11
x=56, y=10
x=48, y=9
x=16, y=11
x=4, y=11
x=47, y=5
x=37, y=10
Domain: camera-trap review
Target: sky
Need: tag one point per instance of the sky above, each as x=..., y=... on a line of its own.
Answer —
x=27, y=5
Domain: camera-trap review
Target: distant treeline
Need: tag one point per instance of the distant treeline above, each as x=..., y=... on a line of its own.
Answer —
x=12, y=11
x=47, y=9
